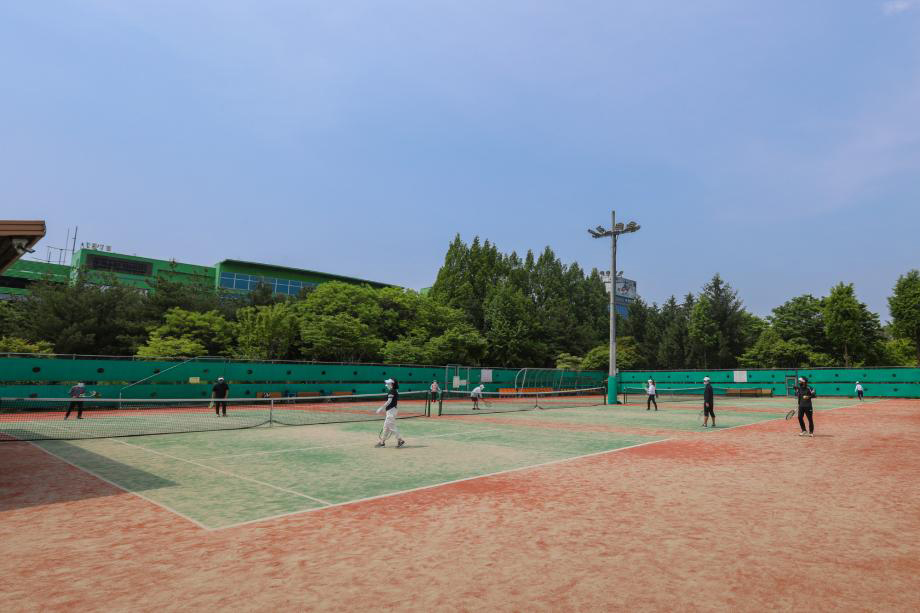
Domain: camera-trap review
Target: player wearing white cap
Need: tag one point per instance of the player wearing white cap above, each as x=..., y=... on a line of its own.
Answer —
x=475, y=395
x=708, y=403
x=389, y=422
x=651, y=395
x=859, y=391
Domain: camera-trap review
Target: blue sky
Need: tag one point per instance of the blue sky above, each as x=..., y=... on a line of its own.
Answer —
x=777, y=143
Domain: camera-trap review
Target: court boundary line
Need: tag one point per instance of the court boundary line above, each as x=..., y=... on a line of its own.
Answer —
x=371, y=498
x=293, y=449
x=494, y=474
x=441, y=484
x=92, y=473
x=225, y=472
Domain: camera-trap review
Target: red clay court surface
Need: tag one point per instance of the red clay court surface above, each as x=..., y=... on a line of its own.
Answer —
x=751, y=518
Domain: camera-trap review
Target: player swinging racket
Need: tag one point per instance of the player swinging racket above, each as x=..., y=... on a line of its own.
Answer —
x=805, y=393
x=389, y=422
x=651, y=394
x=708, y=403
x=76, y=392
x=475, y=395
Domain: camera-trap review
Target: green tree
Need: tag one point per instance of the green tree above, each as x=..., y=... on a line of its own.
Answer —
x=801, y=320
x=904, y=304
x=567, y=361
x=511, y=340
x=170, y=346
x=13, y=318
x=597, y=358
x=341, y=338
x=673, y=345
x=268, y=332
x=210, y=331
x=703, y=334
x=85, y=318
x=852, y=330
x=13, y=344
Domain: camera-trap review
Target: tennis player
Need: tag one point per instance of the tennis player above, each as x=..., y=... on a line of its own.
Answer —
x=475, y=395
x=805, y=393
x=76, y=392
x=435, y=389
x=389, y=422
x=219, y=394
x=859, y=391
x=708, y=404
x=651, y=393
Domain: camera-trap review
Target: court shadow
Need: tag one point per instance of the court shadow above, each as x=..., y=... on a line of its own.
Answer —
x=31, y=477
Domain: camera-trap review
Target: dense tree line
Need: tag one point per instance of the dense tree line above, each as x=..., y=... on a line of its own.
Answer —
x=485, y=307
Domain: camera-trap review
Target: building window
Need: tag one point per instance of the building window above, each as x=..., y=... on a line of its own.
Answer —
x=118, y=265
x=240, y=281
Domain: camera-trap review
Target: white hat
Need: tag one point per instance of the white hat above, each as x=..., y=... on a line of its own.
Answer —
x=857, y=383
x=81, y=384
x=801, y=379
x=649, y=380
x=705, y=379
x=220, y=378
x=388, y=382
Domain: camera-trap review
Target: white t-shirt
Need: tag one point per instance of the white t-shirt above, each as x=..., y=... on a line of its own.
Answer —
x=651, y=389
x=434, y=387
x=859, y=387
x=477, y=392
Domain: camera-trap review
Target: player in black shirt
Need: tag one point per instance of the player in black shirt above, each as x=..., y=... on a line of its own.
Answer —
x=805, y=393
x=389, y=422
x=219, y=394
x=708, y=404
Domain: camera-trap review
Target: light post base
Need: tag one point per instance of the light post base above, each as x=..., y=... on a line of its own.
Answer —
x=613, y=390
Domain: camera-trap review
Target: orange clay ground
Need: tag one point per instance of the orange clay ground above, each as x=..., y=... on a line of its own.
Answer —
x=751, y=518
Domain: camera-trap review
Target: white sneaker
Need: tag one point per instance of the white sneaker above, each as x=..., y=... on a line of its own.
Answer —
x=803, y=433
x=811, y=434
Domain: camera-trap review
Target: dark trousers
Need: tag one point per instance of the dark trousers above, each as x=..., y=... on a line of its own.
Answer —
x=651, y=400
x=811, y=423
x=708, y=411
x=218, y=404
x=75, y=405
x=860, y=394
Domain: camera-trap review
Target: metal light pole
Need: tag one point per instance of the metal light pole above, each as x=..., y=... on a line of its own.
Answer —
x=614, y=232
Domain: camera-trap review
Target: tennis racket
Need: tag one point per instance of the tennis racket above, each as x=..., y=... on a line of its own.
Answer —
x=790, y=413
x=702, y=415
x=485, y=402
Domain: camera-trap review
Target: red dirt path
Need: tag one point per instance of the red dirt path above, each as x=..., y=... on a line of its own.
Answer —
x=753, y=518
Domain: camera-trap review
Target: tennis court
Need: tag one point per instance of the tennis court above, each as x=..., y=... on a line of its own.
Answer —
x=587, y=507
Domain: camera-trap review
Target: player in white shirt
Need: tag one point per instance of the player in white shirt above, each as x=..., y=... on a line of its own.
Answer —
x=389, y=422
x=650, y=391
x=859, y=391
x=475, y=395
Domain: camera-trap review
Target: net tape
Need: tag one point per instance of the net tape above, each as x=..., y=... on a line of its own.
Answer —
x=639, y=394
x=461, y=403
x=32, y=419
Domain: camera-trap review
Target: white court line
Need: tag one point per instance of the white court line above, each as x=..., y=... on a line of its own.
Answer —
x=340, y=445
x=121, y=487
x=501, y=472
x=225, y=472
x=443, y=483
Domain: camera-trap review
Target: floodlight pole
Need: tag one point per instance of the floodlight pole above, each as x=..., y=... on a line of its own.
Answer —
x=614, y=232
x=613, y=290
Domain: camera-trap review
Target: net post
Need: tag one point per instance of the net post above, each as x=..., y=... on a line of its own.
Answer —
x=271, y=412
x=428, y=404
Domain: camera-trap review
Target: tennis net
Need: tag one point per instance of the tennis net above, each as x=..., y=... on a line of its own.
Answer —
x=33, y=419
x=682, y=394
x=462, y=403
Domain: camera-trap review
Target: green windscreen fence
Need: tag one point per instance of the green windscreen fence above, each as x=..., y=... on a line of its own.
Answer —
x=876, y=382
x=53, y=376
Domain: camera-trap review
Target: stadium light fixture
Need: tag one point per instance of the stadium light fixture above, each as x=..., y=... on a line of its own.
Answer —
x=616, y=229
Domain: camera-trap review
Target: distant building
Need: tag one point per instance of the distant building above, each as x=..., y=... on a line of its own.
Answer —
x=101, y=265
x=626, y=292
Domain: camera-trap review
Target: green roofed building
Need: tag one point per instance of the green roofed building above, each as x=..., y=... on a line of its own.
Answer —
x=102, y=266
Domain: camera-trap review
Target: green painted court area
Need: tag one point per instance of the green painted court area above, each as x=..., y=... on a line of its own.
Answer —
x=225, y=478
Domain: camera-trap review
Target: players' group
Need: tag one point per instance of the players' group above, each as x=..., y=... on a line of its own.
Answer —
x=804, y=394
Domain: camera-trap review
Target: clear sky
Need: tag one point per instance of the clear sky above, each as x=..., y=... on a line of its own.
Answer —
x=777, y=143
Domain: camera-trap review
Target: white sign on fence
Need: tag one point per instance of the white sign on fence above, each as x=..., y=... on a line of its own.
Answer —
x=740, y=376
x=485, y=375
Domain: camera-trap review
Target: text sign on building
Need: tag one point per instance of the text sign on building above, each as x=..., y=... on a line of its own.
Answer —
x=626, y=288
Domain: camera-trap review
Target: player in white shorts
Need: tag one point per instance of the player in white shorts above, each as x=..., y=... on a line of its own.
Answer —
x=389, y=422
